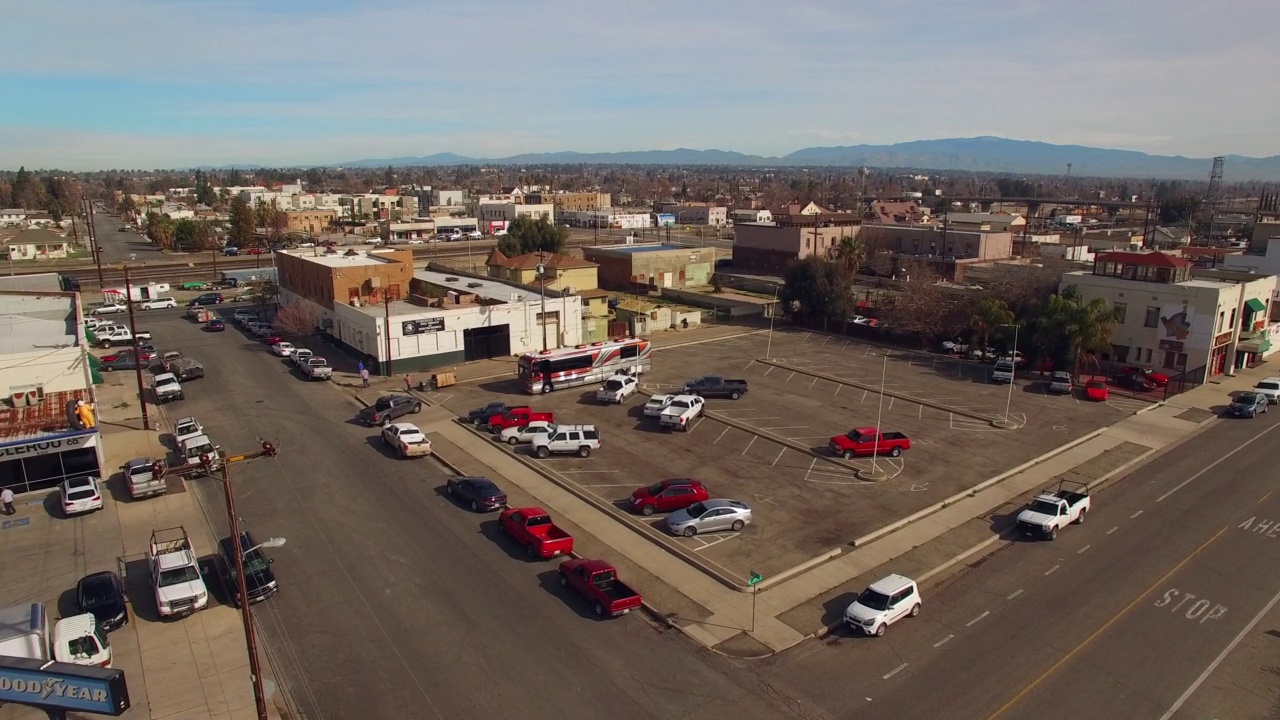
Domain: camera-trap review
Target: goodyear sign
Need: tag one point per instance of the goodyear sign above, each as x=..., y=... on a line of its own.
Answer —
x=63, y=686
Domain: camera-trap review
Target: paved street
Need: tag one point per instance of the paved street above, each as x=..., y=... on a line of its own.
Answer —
x=397, y=603
x=118, y=247
x=1116, y=619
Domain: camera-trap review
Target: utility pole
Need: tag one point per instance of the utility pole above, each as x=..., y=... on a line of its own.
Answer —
x=542, y=279
x=93, y=239
x=137, y=354
x=386, y=305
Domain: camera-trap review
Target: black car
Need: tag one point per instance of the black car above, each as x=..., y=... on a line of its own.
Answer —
x=215, y=325
x=102, y=594
x=481, y=415
x=388, y=408
x=1135, y=382
x=259, y=581
x=480, y=494
x=207, y=299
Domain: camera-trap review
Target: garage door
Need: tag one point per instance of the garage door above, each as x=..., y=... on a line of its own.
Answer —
x=483, y=343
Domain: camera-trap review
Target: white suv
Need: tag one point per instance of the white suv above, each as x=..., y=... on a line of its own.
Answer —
x=1269, y=388
x=567, y=440
x=884, y=603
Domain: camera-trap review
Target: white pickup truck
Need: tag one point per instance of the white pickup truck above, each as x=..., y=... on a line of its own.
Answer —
x=1052, y=510
x=656, y=404
x=316, y=368
x=681, y=412
x=175, y=573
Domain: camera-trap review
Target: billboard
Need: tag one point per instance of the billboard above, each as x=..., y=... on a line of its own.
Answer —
x=421, y=327
x=63, y=686
x=666, y=219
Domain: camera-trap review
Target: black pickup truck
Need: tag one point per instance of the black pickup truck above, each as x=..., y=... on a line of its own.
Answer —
x=388, y=408
x=480, y=416
x=716, y=386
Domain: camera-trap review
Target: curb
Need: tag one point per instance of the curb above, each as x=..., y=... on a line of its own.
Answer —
x=873, y=388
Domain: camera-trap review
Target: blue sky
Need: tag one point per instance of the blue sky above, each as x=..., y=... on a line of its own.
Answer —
x=172, y=83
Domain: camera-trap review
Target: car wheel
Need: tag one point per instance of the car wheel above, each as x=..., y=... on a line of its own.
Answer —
x=543, y=452
x=564, y=581
x=531, y=552
x=106, y=344
x=502, y=528
x=475, y=506
x=896, y=452
x=584, y=452
x=1083, y=512
x=690, y=531
x=494, y=429
x=735, y=395
x=513, y=441
x=107, y=368
x=599, y=609
x=737, y=526
x=915, y=610
x=1053, y=534
x=848, y=454
x=477, y=422
x=879, y=632
x=547, y=387
x=417, y=408
x=646, y=510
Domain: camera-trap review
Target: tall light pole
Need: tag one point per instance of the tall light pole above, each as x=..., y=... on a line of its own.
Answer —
x=542, y=279
x=876, y=474
x=1004, y=423
x=773, y=314
x=137, y=354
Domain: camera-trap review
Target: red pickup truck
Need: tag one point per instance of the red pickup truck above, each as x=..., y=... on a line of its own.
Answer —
x=532, y=528
x=517, y=417
x=598, y=582
x=865, y=441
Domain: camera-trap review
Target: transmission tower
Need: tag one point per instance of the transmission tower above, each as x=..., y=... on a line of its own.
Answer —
x=1211, y=195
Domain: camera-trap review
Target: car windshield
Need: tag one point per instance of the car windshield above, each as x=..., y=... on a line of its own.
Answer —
x=1044, y=507
x=485, y=488
x=1095, y=386
x=254, y=563
x=874, y=600
x=187, y=429
x=178, y=576
x=1247, y=399
x=696, y=510
x=1268, y=386
x=81, y=494
x=655, y=489
x=96, y=593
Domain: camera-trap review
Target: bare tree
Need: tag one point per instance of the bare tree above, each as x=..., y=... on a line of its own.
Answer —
x=297, y=319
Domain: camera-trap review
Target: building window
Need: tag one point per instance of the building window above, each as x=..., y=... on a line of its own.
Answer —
x=1153, y=317
x=1148, y=356
x=1120, y=309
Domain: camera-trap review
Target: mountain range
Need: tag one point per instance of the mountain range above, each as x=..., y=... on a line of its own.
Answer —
x=977, y=154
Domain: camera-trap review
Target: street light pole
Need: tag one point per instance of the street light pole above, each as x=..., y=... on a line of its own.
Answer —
x=246, y=615
x=386, y=304
x=773, y=314
x=542, y=279
x=1005, y=423
x=137, y=354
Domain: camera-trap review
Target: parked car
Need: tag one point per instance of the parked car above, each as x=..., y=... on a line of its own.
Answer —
x=1060, y=382
x=388, y=408
x=480, y=416
x=230, y=250
x=1248, y=404
x=1052, y=510
x=1136, y=383
x=578, y=440
x=656, y=404
x=282, y=349
x=241, y=316
x=882, y=604
x=161, y=303
x=140, y=478
x=167, y=387
x=316, y=368
x=532, y=527
x=709, y=516
x=299, y=356
x=406, y=439
x=1095, y=390
x=716, y=386
x=208, y=299
x=669, y=495
x=259, y=581
x=865, y=441
x=525, y=434
x=479, y=493
x=81, y=495
x=110, y=309
x=1003, y=371
x=102, y=595
x=1270, y=388
x=616, y=389
x=517, y=416
x=597, y=581
x=185, y=429
x=955, y=347
x=1155, y=378
x=119, y=361
x=682, y=411
x=215, y=325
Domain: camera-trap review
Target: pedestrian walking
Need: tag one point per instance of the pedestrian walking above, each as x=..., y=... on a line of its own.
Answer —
x=364, y=375
x=6, y=497
x=408, y=382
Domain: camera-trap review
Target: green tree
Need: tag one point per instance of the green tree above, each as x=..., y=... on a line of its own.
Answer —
x=191, y=235
x=242, y=225
x=851, y=254
x=526, y=235
x=205, y=193
x=815, y=290
x=127, y=207
x=24, y=189
x=1179, y=209
x=160, y=230
x=1068, y=330
x=988, y=316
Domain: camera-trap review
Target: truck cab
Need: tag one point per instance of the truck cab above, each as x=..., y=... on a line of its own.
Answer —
x=175, y=573
x=194, y=448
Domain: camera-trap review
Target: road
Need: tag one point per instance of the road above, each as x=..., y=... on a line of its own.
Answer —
x=395, y=603
x=1135, y=614
x=118, y=247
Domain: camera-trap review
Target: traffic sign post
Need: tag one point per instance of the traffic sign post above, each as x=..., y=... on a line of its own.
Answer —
x=752, y=582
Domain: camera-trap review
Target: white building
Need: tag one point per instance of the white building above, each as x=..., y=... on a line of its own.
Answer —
x=752, y=216
x=175, y=211
x=626, y=219
x=44, y=369
x=12, y=217
x=489, y=212
x=449, y=198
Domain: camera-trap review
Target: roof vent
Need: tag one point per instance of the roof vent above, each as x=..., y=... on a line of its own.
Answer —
x=475, y=284
x=451, y=279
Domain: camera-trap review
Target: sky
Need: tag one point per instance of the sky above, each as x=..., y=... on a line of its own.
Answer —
x=91, y=85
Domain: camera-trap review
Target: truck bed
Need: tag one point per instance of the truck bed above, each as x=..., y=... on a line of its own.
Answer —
x=616, y=590
x=1072, y=498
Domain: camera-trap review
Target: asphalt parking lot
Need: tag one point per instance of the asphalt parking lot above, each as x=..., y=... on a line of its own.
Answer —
x=804, y=505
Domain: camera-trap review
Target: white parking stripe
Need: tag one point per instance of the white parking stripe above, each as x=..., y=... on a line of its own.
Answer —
x=726, y=430
x=1013, y=594
x=780, y=454
x=753, y=442
x=943, y=641
x=978, y=619
x=894, y=671
x=1051, y=570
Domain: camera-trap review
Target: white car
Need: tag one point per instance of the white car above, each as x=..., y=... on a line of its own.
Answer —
x=884, y=603
x=185, y=429
x=164, y=303
x=300, y=356
x=617, y=389
x=306, y=245
x=416, y=242
x=656, y=404
x=499, y=233
x=109, y=309
x=241, y=316
x=526, y=433
x=283, y=349
x=81, y=495
x=1269, y=388
x=475, y=235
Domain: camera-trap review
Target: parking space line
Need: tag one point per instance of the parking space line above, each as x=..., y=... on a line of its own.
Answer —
x=978, y=619
x=610, y=486
x=751, y=418
x=1113, y=529
x=584, y=472
x=780, y=454
x=771, y=369
x=1052, y=570
x=837, y=392
x=864, y=397
x=753, y=442
x=894, y=671
x=712, y=543
x=1135, y=515
x=780, y=427
x=748, y=367
x=1013, y=594
x=1082, y=550
x=793, y=374
x=943, y=641
x=807, y=437
x=815, y=382
x=726, y=430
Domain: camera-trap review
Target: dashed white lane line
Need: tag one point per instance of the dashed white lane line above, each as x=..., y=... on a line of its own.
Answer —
x=943, y=641
x=894, y=671
x=1014, y=594
x=1083, y=549
x=775, y=460
x=1135, y=515
x=1113, y=529
x=978, y=619
x=1052, y=570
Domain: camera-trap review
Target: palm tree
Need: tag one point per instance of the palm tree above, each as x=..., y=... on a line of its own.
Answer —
x=988, y=315
x=1072, y=331
x=850, y=254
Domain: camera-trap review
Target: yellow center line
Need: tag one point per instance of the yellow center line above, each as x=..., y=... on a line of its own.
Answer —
x=1115, y=618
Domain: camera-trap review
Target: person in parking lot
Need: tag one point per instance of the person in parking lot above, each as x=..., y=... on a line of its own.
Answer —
x=408, y=382
x=6, y=497
x=364, y=375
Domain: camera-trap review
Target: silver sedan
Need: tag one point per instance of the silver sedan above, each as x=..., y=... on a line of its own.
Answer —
x=709, y=516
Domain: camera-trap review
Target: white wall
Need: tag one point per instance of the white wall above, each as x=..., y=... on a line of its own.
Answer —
x=57, y=370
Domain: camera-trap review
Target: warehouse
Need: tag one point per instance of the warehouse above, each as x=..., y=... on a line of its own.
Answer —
x=652, y=266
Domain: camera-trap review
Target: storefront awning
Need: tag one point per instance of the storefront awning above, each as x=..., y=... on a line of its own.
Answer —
x=1259, y=344
x=1255, y=305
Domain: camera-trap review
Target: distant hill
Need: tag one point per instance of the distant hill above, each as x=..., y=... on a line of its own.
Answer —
x=979, y=154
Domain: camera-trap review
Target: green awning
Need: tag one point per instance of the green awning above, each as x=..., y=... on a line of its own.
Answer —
x=1255, y=305
x=95, y=369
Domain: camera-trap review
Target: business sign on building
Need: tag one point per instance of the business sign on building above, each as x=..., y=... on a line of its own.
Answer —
x=49, y=445
x=422, y=327
x=666, y=219
x=63, y=686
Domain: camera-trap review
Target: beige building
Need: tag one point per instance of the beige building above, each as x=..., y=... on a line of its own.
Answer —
x=1170, y=321
x=701, y=214
x=579, y=201
x=771, y=249
x=751, y=215
x=564, y=273
x=311, y=221
x=991, y=222
x=487, y=212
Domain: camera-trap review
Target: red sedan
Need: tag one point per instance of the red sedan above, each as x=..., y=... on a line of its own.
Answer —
x=255, y=251
x=1095, y=390
x=668, y=495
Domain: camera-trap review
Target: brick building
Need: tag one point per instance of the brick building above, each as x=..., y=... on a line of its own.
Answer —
x=351, y=277
x=310, y=221
x=654, y=265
